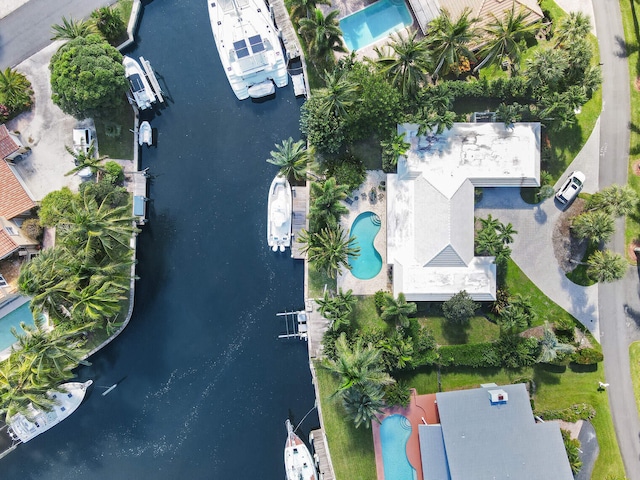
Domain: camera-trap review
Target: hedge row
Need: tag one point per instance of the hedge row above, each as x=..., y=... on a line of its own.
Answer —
x=578, y=411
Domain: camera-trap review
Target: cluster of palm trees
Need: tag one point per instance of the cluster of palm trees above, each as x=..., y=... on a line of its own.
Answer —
x=105, y=20
x=493, y=239
x=80, y=284
x=597, y=224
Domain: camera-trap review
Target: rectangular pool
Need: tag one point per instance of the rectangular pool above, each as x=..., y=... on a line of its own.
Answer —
x=17, y=311
x=374, y=23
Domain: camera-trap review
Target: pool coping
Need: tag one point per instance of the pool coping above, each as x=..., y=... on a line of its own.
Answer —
x=5, y=310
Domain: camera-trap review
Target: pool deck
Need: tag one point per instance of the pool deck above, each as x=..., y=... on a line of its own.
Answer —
x=420, y=407
x=346, y=280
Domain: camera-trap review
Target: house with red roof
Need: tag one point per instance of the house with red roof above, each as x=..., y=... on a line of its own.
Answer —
x=15, y=207
x=10, y=144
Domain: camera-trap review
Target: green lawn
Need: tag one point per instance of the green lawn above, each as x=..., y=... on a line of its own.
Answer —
x=317, y=282
x=479, y=330
x=351, y=448
x=579, y=274
x=634, y=363
x=115, y=138
x=632, y=39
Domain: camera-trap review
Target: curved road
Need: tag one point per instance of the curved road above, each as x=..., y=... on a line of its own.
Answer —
x=619, y=303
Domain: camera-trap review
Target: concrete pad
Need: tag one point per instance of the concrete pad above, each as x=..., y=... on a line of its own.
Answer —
x=46, y=130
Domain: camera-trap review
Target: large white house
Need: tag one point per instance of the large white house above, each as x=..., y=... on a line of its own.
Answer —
x=430, y=204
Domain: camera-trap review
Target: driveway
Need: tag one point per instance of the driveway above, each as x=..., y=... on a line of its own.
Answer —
x=532, y=248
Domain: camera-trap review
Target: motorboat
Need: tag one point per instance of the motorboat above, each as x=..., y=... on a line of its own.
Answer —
x=279, y=214
x=249, y=47
x=67, y=398
x=145, y=134
x=143, y=94
x=298, y=462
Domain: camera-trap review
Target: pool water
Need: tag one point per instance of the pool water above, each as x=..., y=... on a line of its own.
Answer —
x=374, y=23
x=365, y=228
x=13, y=319
x=394, y=433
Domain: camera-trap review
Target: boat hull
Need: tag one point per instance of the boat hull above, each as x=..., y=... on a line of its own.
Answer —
x=143, y=94
x=69, y=396
x=145, y=134
x=298, y=462
x=279, y=214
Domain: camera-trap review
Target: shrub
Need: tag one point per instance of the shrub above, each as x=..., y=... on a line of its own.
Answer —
x=109, y=24
x=114, y=173
x=578, y=411
x=397, y=393
x=53, y=204
x=515, y=351
x=31, y=228
x=118, y=196
x=379, y=299
x=347, y=170
x=587, y=356
x=459, y=308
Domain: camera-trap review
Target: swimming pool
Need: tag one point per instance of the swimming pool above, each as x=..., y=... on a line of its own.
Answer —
x=394, y=433
x=13, y=319
x=374, y=22
x=365, y=228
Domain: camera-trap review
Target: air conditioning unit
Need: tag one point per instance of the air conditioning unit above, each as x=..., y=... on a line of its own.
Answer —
x=498, y=397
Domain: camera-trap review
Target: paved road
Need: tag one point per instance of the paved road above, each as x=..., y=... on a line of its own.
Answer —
x=619, y=303
x=28, y=29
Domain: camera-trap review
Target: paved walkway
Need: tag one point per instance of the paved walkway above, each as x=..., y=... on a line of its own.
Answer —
x=533, y=246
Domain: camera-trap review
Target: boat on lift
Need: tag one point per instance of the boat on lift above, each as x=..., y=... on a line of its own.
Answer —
x=298, y=462
x=279, y=214
x=143, y=94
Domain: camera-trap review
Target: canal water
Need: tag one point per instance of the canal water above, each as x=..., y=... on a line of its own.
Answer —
x=205, y=384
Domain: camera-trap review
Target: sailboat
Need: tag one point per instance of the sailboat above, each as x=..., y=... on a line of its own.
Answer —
x=298, y=462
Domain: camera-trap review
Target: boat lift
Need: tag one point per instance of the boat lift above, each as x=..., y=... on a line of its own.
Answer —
x=296, y=324
x=151, y=76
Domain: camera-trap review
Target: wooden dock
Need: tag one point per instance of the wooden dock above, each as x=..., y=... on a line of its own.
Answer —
x=140, y=196
x=287, y=31
x=299, y=219
x=320, y=455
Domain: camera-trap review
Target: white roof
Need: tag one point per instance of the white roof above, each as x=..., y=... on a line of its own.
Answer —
x=430, y=203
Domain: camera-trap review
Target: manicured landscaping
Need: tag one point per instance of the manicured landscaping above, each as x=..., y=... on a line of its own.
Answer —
x=115, y=138
x=479, y=330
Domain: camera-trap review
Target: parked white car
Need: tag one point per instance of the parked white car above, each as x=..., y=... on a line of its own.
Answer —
x=571, y=188
x=82, y=138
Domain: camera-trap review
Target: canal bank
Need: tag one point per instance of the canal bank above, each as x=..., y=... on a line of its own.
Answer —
x=204, y=385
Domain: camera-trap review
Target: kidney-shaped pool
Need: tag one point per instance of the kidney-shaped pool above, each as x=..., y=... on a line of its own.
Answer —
x=365, y=228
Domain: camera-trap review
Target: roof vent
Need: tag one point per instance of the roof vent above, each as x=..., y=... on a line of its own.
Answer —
x=498, y=397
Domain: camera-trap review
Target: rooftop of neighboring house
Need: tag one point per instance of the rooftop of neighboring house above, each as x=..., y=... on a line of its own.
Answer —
x=14, y=198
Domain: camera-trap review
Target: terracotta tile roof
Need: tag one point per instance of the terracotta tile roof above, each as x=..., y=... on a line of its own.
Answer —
x=7, y=144
x=14, y=200
x=7, y=245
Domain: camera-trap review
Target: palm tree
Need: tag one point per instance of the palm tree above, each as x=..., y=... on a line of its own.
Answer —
x=51, y=353
x=615, y=200
x=490, y=223
x=323, y=35
x=330, y=250
x=550, y=347
x=337, y=308
x=509, y=114
x=512, y=320
x=363, y=404
x=357, y=366
x=15, y=89
x=84, y=159
x=292, y=158
x=506, y=35
x=397, y=351
x=71, y=29
x=338, y=95
x=575, y=26
x=546, y=68
x=326, y=207
x=506, y=233
x=18, y=389
x=97, y=301
x=406, y=62
x=96, y=228
x=450, y=40
x=303, y=8
x=398, y=310
x=597, y=226
x=393, y=148
x=606, y=266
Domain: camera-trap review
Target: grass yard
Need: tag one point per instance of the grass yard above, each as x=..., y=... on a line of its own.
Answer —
x=634, y=363
x=317, y=282
x=632, y=40
x=479, y=330
x=115, y=138
x=351, y=448
x=579, y=274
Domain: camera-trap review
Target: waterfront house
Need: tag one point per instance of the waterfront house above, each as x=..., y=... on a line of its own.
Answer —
x=430, y=205
x=15, y=207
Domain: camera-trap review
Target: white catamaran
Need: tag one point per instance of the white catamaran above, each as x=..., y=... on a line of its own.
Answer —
x=279, y=214
x=249, y=47
x=68, y=398
x=298, y=462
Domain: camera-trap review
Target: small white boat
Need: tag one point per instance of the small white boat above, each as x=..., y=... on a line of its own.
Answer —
x=279, y=214
x=249, y=47
x=68, y=398
x=299, y=88
x=143, y=94
x=145, y=134
x=298, y=462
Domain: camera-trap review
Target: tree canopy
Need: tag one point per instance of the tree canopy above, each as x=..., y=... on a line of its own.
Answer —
x=87, y=76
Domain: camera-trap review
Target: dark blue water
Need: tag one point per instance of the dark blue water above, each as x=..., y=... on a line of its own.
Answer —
x=207, y=385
